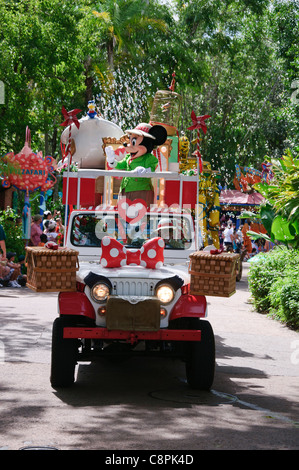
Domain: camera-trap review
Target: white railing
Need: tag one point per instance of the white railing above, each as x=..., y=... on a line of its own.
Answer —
x=108, y=174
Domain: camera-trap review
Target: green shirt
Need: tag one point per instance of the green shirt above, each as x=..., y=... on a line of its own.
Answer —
x=137, y=183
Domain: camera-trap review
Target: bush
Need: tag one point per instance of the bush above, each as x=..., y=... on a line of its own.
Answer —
x=13, y=231
x=274, y=284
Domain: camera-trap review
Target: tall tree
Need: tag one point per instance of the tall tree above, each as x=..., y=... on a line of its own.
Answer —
x=120, y=21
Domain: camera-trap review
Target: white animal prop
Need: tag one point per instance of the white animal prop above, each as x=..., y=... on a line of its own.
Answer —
x=86, y=145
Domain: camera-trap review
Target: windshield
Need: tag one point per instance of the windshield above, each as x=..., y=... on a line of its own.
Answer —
x=89, y=229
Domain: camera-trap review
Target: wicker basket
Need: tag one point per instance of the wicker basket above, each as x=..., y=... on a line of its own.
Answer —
x=51, y=270
x=213, y=275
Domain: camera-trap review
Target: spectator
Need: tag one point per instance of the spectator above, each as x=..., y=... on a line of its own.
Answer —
x=2, y=242
x=236, y=242
x=227, y=237
x=246, y=239
x=21, y=261
x=4, y=272
x=5, y=275
x=50, y=230
x=240, y=234
x=17, y=279
x=47, y=216
x=36, y=231
x=43, y=239
x=59, y=226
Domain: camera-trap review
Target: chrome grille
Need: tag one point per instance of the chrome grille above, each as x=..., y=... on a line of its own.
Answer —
x=137, y=287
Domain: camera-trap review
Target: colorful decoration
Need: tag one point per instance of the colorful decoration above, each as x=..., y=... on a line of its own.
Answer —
x=209, y=205
x=186, y=164
x=246, y=178
x=91, y=109
x=33, y=170
x=70, y=118
x=150, y=256
x=33, y=173
x=172, y=85
x=86, y=141
x=198, y=122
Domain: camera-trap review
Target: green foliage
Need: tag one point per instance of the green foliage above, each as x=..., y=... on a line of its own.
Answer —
x=284, y=299
x=280, y=214
x=13, y=231
x=236, y=60
x=274, y=284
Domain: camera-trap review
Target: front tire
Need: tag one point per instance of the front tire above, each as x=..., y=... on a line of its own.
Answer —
x=64, y=356
x=200, y=357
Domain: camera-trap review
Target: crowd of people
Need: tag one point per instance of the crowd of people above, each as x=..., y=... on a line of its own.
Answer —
x=46, y=228
x=236, y=240
x=43, y=229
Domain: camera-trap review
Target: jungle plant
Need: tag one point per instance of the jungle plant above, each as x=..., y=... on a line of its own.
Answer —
x=284, y=299
x=273, y=283
x=280, y=213
x=12, y=226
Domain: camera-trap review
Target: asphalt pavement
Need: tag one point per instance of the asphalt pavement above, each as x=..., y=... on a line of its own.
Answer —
x=145, y=403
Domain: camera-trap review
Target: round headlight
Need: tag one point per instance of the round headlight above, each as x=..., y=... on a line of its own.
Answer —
x=100, y=292
x=165, y=294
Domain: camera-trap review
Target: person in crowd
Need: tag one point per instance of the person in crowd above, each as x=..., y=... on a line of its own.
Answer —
x=7, y=273
x=36, y=230
x=4, y=272
x=59, y=227
x=246, y=239
x=240, y=234
x=2, y=242
x=50, y=231
x=253, y=253
x=227, y=237
x=236, y=241
x=43, y=239
x=21, y=261
x=17, y=279
x=47, y=216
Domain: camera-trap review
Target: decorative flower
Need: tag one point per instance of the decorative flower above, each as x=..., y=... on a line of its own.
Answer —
x=199, y=122
x=70, y=117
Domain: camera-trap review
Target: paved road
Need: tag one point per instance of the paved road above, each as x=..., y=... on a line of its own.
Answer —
x=146, y=403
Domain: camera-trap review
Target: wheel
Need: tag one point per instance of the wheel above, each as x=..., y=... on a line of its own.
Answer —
x=64, y=356
x=200, y=357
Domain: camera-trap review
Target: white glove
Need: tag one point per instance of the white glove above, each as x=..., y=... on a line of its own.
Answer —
x=110, y=155
x=140, y=170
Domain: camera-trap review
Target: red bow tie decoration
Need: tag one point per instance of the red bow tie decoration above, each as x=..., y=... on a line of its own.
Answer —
x=115, y=255
x=70, y=118
x=198, y=122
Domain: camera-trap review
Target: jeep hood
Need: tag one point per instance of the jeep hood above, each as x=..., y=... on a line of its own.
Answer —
x=137, y=272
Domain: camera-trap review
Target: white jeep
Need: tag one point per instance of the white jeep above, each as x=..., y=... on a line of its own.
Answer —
x=132, y=308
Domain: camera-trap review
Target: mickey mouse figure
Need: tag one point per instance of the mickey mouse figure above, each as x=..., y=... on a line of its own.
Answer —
x=139, y=160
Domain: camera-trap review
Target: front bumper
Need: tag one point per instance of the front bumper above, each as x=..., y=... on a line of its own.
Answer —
x=131, y=336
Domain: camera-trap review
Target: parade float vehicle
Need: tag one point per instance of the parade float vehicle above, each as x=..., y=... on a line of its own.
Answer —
x=131, y=277
x=132, y=292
